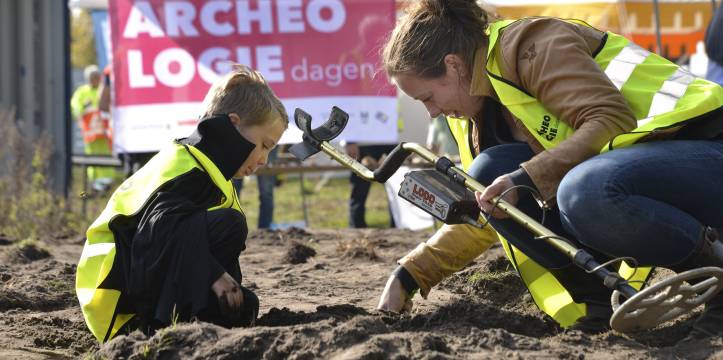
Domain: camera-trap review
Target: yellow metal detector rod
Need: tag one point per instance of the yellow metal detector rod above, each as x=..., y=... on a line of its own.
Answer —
x=346, y=160
x=517, y=215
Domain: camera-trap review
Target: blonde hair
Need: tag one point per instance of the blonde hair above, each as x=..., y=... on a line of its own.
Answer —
x=429, y=31
x=245, y=92
x=90, y=71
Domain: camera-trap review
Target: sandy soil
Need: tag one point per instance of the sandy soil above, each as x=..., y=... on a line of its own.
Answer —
x=320, y=308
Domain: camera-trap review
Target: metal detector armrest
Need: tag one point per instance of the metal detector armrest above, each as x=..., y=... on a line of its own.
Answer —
x=392, y=163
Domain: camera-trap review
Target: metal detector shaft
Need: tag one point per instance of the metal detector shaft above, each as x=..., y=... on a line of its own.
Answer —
x=346, y=160
x=580, y=257
x=517, y=215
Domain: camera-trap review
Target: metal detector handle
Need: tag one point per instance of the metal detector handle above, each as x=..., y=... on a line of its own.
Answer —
x=392, y=163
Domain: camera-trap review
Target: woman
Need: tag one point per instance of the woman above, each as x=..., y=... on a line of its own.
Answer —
x=535, y=102
x=166, y=247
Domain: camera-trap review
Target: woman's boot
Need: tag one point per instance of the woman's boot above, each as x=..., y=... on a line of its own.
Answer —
x=709, y=253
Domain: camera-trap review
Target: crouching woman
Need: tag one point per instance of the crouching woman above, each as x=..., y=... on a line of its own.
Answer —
x=166, y=246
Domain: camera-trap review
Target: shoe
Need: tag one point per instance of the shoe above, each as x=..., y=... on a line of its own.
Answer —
x=708, y=253
x=591, y=325
x=710, y=322
x=596, y=321
x=250, y=309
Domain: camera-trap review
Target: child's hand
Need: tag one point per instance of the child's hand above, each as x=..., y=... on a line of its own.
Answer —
x=229, y=294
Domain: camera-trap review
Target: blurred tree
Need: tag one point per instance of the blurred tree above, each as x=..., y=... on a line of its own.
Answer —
x=82, y=41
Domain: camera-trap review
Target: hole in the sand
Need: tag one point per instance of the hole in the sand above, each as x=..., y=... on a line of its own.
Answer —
x=284, y=316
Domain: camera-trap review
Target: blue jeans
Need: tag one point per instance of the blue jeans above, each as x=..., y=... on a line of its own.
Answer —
x=715, y=72
x=266, y=185
x=649, y=201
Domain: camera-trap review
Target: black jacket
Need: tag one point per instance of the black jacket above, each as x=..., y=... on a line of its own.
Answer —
x=163, y=264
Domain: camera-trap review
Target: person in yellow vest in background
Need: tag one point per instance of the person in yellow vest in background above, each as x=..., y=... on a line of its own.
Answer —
x=166, y=247
x=623, y=145
x=94, y=126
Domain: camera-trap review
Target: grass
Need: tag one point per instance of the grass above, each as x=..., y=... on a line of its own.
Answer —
x=326, y=208
x=488, y=276
x=28, y=209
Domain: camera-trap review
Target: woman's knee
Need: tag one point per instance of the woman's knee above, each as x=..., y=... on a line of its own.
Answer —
x=583, y=193
x=498, y=160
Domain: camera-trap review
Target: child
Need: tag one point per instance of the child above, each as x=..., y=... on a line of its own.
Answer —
x=166, y=247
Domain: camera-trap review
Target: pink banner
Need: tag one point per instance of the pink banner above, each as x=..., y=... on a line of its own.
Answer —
x=167, y=53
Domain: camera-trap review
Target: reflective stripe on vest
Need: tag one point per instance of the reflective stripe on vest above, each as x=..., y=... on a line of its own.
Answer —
x=94, y=125
x=98, y=304
x=661, y=94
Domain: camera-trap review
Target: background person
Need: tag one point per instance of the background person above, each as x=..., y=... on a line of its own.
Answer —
x=533, y=102
x=94, y=125
x=369, y=156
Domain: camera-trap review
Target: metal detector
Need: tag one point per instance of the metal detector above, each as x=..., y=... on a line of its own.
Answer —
x=445, y=193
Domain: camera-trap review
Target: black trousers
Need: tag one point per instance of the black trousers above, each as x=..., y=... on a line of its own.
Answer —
x=227, y=232
x=360, y=187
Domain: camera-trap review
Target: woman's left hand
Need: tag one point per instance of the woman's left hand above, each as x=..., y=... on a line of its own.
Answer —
x=484, y=199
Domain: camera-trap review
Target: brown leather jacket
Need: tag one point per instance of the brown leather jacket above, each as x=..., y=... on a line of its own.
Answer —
x=552, y=60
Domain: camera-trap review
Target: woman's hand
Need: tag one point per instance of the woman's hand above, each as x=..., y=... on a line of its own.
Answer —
x=484, y=199
x=394, y=297
x=229, y=294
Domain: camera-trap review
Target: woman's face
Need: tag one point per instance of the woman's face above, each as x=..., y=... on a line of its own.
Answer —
x=264, y=136
x=445, y=95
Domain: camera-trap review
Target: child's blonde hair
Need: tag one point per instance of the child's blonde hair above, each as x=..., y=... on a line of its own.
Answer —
x=245, y=92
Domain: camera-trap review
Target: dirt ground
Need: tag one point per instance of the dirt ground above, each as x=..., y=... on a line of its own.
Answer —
x=320, y=308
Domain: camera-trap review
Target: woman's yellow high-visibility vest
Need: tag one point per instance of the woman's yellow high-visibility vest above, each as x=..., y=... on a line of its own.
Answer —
x=661, y=95
x=99, y=305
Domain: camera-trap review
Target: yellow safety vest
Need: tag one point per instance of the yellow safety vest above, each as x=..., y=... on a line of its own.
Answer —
x=662, y=96
x=84, y=96
x=99, y=305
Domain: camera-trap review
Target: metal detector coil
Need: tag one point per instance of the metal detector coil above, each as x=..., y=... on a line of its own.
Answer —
x=665, y=300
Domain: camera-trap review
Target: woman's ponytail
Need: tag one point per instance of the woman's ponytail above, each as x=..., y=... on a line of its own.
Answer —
x=429, y=31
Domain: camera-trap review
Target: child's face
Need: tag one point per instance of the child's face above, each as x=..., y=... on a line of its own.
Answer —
x=264, y=136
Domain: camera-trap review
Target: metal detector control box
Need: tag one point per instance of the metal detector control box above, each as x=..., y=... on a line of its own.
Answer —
x=442, y=198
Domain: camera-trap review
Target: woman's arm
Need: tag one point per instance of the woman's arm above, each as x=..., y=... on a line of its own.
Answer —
x=552, y=60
